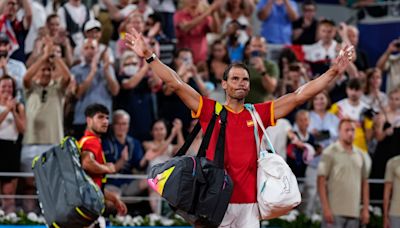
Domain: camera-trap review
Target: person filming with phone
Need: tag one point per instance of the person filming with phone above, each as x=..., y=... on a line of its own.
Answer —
x=390, y=62
x=264, y=73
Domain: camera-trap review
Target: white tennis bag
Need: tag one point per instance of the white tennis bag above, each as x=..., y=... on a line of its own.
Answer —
x=277, y=189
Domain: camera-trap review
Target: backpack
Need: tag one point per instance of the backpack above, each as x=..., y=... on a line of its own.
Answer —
x=68, y=197
x=196, y=188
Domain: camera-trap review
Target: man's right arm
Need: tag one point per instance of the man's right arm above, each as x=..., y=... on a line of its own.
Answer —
x=90, y=165
x=323, y=195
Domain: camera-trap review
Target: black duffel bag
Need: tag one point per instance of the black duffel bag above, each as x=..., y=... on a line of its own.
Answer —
x=196, y=188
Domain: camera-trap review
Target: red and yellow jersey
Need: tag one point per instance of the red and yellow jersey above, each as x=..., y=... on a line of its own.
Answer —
x=240, y=147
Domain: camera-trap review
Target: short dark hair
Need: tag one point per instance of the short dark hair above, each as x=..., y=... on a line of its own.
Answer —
x=14, y=83
x=50, y=17
x=180, y=50
x=235, y=65
x=327, y=22
x=93, y=109
x=354, y=83
x=309, y=2
x=345, y=120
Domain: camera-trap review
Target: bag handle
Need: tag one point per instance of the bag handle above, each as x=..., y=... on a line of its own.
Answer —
x=257, y=121
x=220, y=147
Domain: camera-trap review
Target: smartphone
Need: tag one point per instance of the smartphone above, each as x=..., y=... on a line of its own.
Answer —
x=397, y=44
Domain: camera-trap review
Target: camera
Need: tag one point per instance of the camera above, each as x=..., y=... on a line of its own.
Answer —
x=397, y=44
x=368, y=113
x=322, y=135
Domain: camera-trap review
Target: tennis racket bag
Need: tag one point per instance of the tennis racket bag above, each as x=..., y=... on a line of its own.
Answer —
x=196, y=188
x=67, y=195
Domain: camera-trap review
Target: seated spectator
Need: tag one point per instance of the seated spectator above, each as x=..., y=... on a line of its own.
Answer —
x=373, y=96
x=15, y=27
x=126, y=154
x=321, y=53
x=96, y=83
x=73, y=16
x=305, y=28
x=323, y=124
x=216, y=64
x=170, y=106
x=353, y=108
x=277, y=17
x=390, y=62
x=135, y=96
x=12, y=126
x=92, y=30
x=161, y=149
x=8, y=66
x=192, y=23
x=264, y=73
x=44, y=83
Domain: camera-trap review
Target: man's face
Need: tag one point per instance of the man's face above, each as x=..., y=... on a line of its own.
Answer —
x=94, y=34
x=121, y=125
x=6, y=88
x=89, y=49
x=303, y=121
x=259, y=45
x=137, y=23
x=4, y=49
x=346, y=133
x=353, y=36
x=237, y=86
x=326, y=33
x=309, y=11
x=184, y=57
x=98, y=123
x=159, y=131
x=394, y=100
x=54, y=26
x=11, y=8
x=354, y=94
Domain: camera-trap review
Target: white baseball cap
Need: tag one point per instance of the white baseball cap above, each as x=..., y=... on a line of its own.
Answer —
x=91, y=24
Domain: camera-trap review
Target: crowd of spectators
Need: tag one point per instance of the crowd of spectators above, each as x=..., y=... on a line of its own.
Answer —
x=57, y=57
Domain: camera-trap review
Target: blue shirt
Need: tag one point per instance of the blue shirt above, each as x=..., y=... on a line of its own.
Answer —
x=236, y=53
x=277, y=28
x=112, y=150
x=96, y=93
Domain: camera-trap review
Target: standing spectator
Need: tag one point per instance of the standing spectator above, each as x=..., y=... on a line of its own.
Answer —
x=92, y=156
x=216, y=65
x=12, y=125
x=305, y=28
x=343, y=181
x=390, y=61
x=8, y=66
x=277, y=17
x=16, y=28
x=391, y=197
x=44, y=83
x=321, y=53
x=192, y=24
x=92, y=30
x=235, y=41
x=166, y=9
x=126, y=153
x=264, y=73
x=353, y=108
x=323, y=124
x=161, y=149
x=171, y=107
x=373, y=96
x=73, y=16
x=353, y=35
x=136, y=94
x=96, y=83
x=38, y=21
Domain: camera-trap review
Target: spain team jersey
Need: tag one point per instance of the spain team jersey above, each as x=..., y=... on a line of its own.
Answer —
x=240, y=147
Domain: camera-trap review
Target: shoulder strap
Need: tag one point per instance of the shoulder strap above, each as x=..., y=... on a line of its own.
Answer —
x=84, y=139
x=220, y=147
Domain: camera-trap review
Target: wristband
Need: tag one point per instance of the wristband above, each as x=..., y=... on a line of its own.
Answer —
x=151, y=58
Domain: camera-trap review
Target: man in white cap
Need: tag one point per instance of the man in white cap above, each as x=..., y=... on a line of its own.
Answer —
x=92, y=30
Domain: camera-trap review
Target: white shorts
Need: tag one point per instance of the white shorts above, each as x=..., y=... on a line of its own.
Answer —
x=29, y=152
x=241, y=216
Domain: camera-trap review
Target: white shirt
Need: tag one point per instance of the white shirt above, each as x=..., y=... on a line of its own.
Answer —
x=166, y=6
x=350, y=111
x=78, y=14
x=316, y=52
x=8, y=128
x=38, y=20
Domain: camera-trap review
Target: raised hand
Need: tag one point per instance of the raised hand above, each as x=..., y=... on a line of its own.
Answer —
x=135, y=42
x=125, y=154
x=346, y=55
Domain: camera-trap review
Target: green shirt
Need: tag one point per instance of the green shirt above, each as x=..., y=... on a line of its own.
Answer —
x=258, y=93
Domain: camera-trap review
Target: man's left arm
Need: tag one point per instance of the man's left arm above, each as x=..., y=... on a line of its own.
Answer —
x=28, y=14
x=365, y=201
x=288, y=102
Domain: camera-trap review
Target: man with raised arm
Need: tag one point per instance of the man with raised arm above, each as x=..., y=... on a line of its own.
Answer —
x=240, y=150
